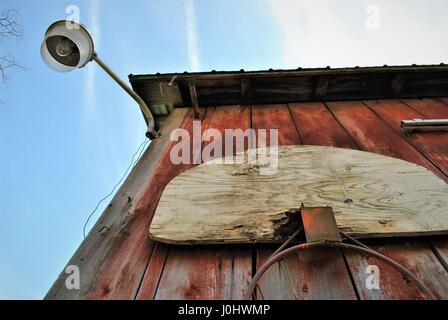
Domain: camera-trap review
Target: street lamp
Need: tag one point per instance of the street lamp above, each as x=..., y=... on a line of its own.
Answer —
x=68, y=45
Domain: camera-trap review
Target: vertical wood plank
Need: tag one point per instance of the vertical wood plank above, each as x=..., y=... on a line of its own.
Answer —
x=199, y=273
x=430, y=108
x=416, y=256
x=441, y=250
x=154, y=270
x=153, y=273
x=312, y=275
x=317, y=275
x=276, y=117
x=318, y=127
x=443, y=100
x=434, y=145
x=372, y=134
x=207, y=272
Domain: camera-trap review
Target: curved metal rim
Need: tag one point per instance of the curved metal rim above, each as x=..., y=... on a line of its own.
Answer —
x=83, y=28
x=363, y=249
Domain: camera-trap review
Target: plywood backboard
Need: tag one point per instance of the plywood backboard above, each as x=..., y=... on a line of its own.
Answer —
x=371, y=196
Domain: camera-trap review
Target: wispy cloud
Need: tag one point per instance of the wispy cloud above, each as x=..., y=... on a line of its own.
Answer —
x=322, y=32
x=89, y=88
x=312, y=33
x=192, y=36
x=92, y=118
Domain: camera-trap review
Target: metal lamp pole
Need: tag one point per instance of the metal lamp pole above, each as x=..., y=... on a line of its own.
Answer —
x=151, y=133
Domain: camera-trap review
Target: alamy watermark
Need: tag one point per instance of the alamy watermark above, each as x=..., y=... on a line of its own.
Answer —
x=73, y=280
x=373, y=20
x=73, y=19
x=373, y=278
x=198, y=147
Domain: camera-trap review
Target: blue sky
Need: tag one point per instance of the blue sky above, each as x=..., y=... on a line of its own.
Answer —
x=66, y=139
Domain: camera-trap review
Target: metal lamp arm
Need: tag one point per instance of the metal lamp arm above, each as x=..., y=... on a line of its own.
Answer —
x=151, y=132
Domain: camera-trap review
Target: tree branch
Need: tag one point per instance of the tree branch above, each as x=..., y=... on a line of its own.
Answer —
x=10, y=28
x=9, y=24
x=6, y=63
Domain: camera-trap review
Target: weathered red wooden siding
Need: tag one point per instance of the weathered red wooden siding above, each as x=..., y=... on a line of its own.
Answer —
x=215, y=272
x=312, y=275
x=139, y=268
x=205, y=272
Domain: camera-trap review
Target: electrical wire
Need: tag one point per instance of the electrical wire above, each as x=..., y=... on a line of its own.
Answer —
x=139, y=151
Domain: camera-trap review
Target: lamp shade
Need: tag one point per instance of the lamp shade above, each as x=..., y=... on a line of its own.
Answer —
x=67, y=46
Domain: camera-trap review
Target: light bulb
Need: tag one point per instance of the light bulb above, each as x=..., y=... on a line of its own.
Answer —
x=64, y=48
